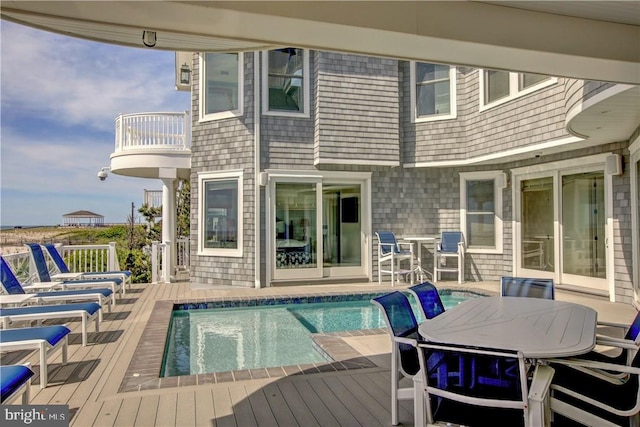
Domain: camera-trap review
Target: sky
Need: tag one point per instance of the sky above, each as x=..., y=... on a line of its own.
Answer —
x=59, y=97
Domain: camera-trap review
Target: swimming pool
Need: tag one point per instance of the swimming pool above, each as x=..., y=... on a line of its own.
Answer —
x=252, y=335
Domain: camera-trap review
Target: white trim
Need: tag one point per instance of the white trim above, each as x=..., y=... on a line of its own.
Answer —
x=515, y=152
x=313, y=174
x=334, y=161
x=514, y=91
x=238, y=175
x=498, y=210
x=203, y=92
x=306, y=77
x=578, y=162
x=634, y=149
x=452, y=96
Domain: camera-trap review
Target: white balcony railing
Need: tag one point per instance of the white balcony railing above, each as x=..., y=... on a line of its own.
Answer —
x=153, y=198
x=145, y=131
x=160, y=253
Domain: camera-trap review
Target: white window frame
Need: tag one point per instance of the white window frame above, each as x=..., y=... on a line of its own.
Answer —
x=514, y=89
x=203, y=92
x=634, y=150
x=497, y=176
x=306, y=77
x=452, y=114
x=221, y=176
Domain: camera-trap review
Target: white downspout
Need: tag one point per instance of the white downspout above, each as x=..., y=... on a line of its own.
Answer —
x=256, y=164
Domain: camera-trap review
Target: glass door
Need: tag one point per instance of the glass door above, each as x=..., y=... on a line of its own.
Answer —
x=297, y=245
x=537, y=227
x=342, y=229
x=583, y=230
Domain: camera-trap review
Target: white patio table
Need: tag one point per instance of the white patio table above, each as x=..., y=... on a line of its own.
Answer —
x=539, y=328
x=421, y=240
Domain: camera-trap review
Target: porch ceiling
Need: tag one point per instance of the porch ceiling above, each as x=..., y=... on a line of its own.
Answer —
x=593, y=40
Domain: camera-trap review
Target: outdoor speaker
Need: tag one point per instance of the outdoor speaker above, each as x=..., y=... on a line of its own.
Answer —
x=501, y=180
x=263, y=179
x=613, y=165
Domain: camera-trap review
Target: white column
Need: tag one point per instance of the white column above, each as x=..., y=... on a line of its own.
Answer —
x=168, y=177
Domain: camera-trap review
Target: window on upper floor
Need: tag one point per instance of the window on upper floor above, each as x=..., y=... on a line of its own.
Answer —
x=220, y=85
x=498, y=87
x=433, y=91
x=286, y=82
x=481, y=210
x=221, y=207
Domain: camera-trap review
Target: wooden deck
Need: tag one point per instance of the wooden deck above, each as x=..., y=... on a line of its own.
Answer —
x=90, y=382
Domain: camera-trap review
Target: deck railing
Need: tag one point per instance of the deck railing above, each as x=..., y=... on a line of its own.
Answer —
x=160, y=253
x=144, y=131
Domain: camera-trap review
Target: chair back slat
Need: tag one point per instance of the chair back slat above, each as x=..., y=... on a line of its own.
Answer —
x=10, y=282
x=527, y=287
x=428, y=299
x=56, y=257
x=40, y=261
x=449, y=241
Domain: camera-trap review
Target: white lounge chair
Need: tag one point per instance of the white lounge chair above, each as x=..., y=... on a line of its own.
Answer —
x=15, y=382
x=12, y=286
x=61, y=265
x=85, y=311
x=45, y=339
x=115, y=284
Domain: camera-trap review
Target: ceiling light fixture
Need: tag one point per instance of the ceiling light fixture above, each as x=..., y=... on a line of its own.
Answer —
x=149, y=38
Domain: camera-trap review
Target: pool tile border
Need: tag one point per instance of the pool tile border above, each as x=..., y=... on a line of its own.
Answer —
x=143, y=372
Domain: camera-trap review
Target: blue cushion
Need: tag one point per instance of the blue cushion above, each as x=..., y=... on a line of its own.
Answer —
x=53, y=334
x=104, y=291
x=89, y=307
x=12, y=378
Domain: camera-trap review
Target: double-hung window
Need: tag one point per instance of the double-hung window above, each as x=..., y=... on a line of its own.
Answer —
x=286, y=82
x=433, y=91
x=220, y=206
x=220, y=85
x=497, y=87
x=481, y=210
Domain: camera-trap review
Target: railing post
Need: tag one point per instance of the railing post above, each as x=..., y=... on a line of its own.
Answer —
x=166, y=261
x=113, y=257
x=154, y=262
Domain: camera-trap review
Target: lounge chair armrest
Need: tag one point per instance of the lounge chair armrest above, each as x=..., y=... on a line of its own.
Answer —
x=33, y=287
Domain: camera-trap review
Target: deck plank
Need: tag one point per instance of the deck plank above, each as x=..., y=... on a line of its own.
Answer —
x=167, y=409
x=186, y=408
x=223, y=407
x=317, y=407
x=281, y=411
x=205, y=414
x=146, y=415
x=260, y=406
x=331, y=400
x=128, y=412
x=353, y=403
x=297, y=405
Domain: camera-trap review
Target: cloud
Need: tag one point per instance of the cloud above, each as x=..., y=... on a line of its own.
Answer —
x=59, y=98
x=79, y=82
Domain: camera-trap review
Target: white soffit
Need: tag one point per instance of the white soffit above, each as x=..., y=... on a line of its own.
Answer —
x=479, y=34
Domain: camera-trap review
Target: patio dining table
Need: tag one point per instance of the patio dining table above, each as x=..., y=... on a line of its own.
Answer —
x=539, y=328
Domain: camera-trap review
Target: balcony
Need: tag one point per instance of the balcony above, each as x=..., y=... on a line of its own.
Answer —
x=601, y=112
x=146, y=143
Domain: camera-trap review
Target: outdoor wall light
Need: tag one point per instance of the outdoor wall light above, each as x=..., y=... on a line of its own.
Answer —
x=149, y=38
x=185, y=74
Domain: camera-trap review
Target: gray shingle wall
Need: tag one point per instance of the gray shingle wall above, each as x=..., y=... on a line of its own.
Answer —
x=357, y=109
x=218, y=146
x=530, y=119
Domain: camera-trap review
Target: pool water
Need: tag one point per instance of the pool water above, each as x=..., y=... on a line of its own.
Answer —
x=240, y=338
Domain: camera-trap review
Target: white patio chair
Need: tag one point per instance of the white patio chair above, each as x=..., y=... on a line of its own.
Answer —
x=390, y=250
x=449, y=245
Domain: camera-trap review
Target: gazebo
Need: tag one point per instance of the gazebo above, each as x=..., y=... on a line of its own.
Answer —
x=83, y=219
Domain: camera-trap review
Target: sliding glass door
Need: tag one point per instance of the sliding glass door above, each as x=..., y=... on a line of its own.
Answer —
x=561, y=223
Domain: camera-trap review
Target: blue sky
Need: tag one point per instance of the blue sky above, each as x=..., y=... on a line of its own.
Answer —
x=59, y=97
